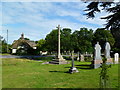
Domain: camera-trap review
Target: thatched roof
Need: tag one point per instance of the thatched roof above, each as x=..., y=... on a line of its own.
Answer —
x=16, y=43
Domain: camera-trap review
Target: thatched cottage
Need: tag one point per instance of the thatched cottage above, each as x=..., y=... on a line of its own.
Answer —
x=23, y=46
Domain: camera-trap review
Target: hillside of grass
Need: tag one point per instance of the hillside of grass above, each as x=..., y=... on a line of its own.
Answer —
x=25, y=73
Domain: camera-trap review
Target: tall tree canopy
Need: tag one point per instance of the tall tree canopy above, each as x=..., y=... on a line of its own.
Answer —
x=82, y=40
x=113, y=20
x=3, y=45
x=102, y=36
x=52, y=41
x=41, y=45
x=66, y=39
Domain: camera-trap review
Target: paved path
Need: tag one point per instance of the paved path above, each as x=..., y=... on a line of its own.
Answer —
x=14, y=56
x=27, y=56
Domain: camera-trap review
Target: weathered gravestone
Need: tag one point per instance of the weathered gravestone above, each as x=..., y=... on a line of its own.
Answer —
x=78, y=57
x=73, y=69
x=116, y=58
x=96, y=63
x=107, y=53
x=81, y=57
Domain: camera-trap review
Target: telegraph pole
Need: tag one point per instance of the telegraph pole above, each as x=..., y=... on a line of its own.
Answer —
x=7, y=40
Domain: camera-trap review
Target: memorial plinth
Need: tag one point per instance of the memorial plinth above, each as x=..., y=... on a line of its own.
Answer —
x=109, y=61
x=59, y=60
x=96, y=63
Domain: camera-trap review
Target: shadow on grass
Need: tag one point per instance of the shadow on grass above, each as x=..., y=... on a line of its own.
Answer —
x=60, y=71
x=87, y=68
x=84, y=66
x=67, y=67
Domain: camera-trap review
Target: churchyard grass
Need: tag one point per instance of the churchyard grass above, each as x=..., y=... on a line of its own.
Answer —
x=25, y=73
x=4, y=54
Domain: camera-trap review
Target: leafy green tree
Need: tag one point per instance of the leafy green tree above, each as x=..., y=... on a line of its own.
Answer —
x=3, y=45
x=66, y=39
x=26, y=38
x=82, y=40
x=74, y=41
x=41, y=45
x=113, y=19
x=102, y=36
x=52, y=41
x=104, y=76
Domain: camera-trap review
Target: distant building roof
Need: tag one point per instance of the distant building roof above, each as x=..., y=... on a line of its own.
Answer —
x=16, y=43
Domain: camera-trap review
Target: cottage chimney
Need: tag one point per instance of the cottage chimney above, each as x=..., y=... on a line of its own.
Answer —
x=22, y=36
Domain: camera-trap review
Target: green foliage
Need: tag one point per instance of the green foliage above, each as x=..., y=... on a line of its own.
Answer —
x=41, y=45
x=26, y=38
x=81, y=40
x=101, y=36
x=104, y=76
x=66, y=39
x=113, y=19
x=3, y=45
x=52, y=40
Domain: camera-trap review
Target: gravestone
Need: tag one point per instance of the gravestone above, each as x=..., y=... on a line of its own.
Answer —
x=96, y=63
x=73, y=69
x=116, y=58
x=78, y=58
x=81, y=57
x=97, y=52
x=107, y=53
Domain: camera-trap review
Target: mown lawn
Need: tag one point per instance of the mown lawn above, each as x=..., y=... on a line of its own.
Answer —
x=4, y=54
x=25, y=73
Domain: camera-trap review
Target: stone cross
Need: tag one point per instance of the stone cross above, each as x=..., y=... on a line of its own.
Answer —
x=59, y=55
x=73, y=69
x=97, y=52
x=72, y=58
x=107, y=50
x=59, y=59
x=116, y=58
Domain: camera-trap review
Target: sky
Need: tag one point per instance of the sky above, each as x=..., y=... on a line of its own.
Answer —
x=37, y=19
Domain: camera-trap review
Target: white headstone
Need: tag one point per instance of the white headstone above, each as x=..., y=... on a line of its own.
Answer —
x=78, y=58
x=81, y=57
x=97, y=52
x=107, y=50
x=116, y=58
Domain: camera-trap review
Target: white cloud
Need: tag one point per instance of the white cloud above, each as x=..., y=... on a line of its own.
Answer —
x=38, y=19
x=40, y=0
